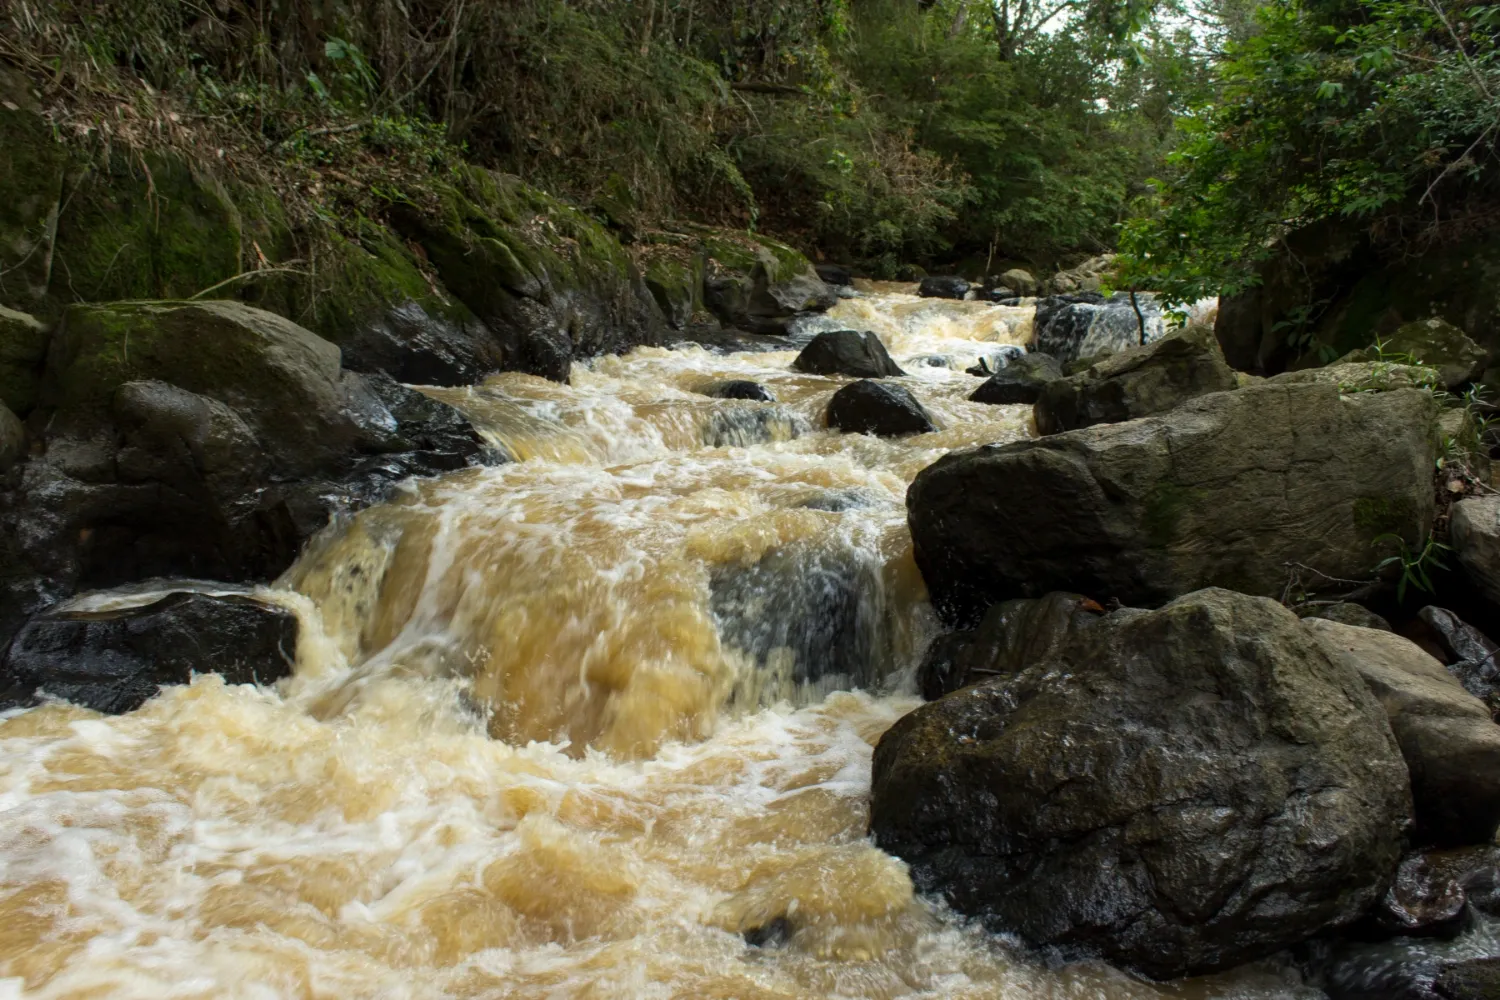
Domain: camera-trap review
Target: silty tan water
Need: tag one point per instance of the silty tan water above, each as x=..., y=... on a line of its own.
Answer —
x=568, y=727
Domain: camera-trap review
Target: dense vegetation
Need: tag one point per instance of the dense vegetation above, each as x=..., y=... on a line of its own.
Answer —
x=878, y=131
x=1379, y=116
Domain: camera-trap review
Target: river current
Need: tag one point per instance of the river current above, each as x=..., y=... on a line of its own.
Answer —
x=594, y=723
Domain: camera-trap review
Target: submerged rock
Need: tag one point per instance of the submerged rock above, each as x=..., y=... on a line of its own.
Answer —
x=1422, y=902
x=1450, y=744
x=740, y=389
x=744, y=426
x=1179, y=791
x=1475, y=530
x=942, y=287
x=1476, y=979
x=1227, y=489
x=870, y=407
x=115, y=661
x=846, y=352
x=805, y=614
x=1136, y=382
x=1020, y=381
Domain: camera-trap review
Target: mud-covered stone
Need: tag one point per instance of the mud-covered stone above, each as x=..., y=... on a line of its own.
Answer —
x=115, y=661
x=1178, y=791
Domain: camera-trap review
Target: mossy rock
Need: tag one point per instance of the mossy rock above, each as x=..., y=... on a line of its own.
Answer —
x=282, y=378
x=673, y=268
x=23, y=348
x=33, y=164
x=756, y=283
x=1433, y=342
x=1363, y=376
x=548, y=280
x=148, y=228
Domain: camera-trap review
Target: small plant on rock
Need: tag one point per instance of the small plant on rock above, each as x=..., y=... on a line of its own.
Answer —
x=1415, y=566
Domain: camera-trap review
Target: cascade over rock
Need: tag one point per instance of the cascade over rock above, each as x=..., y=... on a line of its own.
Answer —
x=203, y=439
x=1180, y=790
x=1225, y=490
x=1136, y=382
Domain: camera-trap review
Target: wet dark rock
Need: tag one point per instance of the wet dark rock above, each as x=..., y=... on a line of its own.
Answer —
x=743, y=426
x=720, y=340
x=223, y=439
x=1475, y=531
x=1447, y=738
x=846, y=352
x=1177, y=791
x=12, y=439
x=410, y=344
x=116, y=661
x=740, y=389
x=1421, y=902
x=879, y=408
x=1020, y=381
x=833, y=274
x=1469, y=654
x=1347, y=613
x=1011, y=636
x=805, y=614
x=838, y=501
x=1476, y=870
x=1085, y=324
x=1002, y=357
x=773, y=934
x=1478, y=979
x=943, y=287
x=1136, y=382
x=1225, y=490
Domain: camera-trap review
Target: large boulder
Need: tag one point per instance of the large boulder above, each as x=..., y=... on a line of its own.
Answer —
x=201, y=439
x=1230, y=489
x=1088, y=324
x=1020, y=281
x=1474, y=527
x=1447, y=738
x=1021, y=380
x=1435, y=343
x=116, y=660
x=871, y=407
x=1179, y=791
x=1136, y=382
x=846, y=352
x=1363, y=376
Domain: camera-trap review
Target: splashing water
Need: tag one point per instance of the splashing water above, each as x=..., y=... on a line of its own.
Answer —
x=576, y=726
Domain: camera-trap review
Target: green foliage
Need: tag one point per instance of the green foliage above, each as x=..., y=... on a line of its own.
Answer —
x=1379, y=111
x=886, y=131
x=1415, y=566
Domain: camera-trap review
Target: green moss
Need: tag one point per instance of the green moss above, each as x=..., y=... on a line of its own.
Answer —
x=1165, y=507
x=1381, y=515
x=32, y=164
x=150, y=228
x=23, y=348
